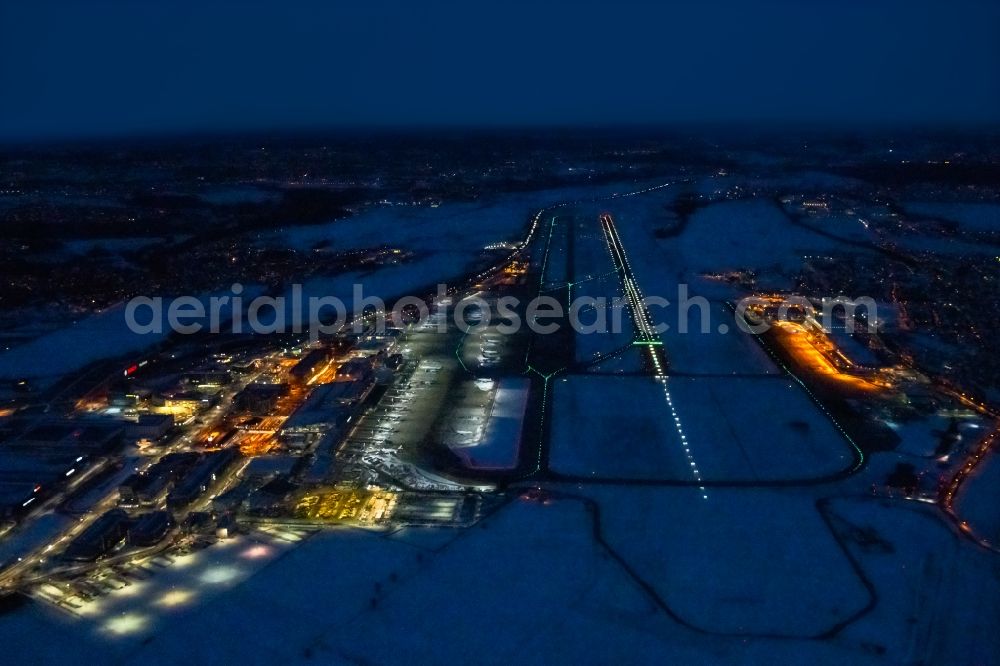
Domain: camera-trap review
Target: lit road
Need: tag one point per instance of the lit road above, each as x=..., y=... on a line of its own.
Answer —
x=951, y=486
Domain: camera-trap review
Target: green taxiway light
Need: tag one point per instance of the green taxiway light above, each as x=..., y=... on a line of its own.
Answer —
x=648, y=342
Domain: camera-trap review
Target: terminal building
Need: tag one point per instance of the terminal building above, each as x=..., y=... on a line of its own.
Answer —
x=329, y=408
x=309, y=365
x=260, y=398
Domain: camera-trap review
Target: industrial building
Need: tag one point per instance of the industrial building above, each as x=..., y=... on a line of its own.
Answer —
x=48, y=457
x=149, y=427
x=103, y=535
x=201, y=477
x=150, y=528
x=146, y=488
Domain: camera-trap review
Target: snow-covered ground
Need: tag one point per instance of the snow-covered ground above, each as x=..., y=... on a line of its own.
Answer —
x=105, y=335
x=530, y=585
x=938, y=595
x=720, y=348
x=493, y=594
x=758, y=428
x=752, y=562
x=736, y=429
x=447, y=240
x=643, y=575
x=616, y=427
x=970, y=216
x=719, y=237
x=841, y=225
x=99, y=336
x=978, y=502
x=450, y=227
x=921, y=436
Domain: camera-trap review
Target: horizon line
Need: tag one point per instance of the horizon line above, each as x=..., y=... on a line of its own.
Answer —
x=343, y=131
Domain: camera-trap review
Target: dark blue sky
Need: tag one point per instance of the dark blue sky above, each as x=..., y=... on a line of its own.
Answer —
x=97, y=68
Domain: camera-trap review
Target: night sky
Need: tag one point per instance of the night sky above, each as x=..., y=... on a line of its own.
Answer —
x=96, y=68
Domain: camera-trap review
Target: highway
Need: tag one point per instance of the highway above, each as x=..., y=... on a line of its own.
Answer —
x=951, y=486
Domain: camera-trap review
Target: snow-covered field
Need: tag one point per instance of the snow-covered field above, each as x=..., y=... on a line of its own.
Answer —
x=530, y=585
x=970, y=216
x=449, y=228
x=758, y=428
x=751, y=233
x=745, y=234
x=737, y=429
x=720, y=348
x=493, y=594
x=643, y=575
x=737, y=418
x=938, y=596
x=718, y=238
x=920, y=437
x=640, y=574
x=617, y=427
x=740, y=562
x=841, y=225
x=978, y=502
x=105, y=335
x=99, y=336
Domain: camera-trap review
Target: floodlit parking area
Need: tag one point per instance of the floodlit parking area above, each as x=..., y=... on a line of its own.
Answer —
x=456, y=509
x=350, y=506
x=133, y=599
